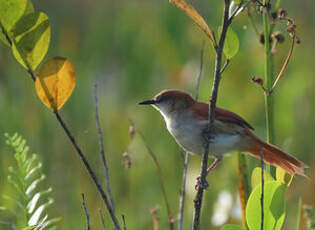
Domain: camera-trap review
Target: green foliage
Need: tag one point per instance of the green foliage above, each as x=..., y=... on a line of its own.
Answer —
x=274, y=203
x=27, y=31
x=29, y=202
x=274, y=206
x=256, y=177
x=283, y=176
x=232, y=44
x=231, y=227
x=32, y=37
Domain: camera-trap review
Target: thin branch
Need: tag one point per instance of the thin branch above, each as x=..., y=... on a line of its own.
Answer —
x=86, y=213
x=183, y=193
x=77, y=148
x=209, y=131
x=5, y=34
x=157, y=165
x=102, y=152
x=124, y=221
x=85, y=162
x=185, y=169
x=262, y=189
x=90, y=171
x=284, y=67
x=226, y=63
x=102, y=219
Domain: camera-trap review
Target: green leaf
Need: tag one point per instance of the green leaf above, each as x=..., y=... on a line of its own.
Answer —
x=283, y=176
x=231, y=45
x=32, y=38
x=11, y=11
x=256, y=177
x=231, y=227
x=274, y=206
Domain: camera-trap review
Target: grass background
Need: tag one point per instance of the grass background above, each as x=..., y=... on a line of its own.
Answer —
x=132, y=50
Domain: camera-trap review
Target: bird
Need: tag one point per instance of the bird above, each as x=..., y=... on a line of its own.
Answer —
x=187, y=120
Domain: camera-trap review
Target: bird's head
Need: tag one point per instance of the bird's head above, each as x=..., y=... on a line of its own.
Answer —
x=170, y=102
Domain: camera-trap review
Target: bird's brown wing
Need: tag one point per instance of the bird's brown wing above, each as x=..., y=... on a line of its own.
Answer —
x=202, y=110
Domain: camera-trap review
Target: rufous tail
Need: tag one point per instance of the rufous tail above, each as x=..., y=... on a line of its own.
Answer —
x=276, y=157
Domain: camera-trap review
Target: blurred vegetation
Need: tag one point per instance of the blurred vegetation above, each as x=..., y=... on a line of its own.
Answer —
x=132, y=50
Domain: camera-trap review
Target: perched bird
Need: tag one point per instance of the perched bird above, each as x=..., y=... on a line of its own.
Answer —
x=187, y=119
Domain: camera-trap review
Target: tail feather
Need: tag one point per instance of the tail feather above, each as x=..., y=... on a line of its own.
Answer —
x=276, y=157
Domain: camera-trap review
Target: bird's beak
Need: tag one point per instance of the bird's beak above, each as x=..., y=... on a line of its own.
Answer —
x=147, y=102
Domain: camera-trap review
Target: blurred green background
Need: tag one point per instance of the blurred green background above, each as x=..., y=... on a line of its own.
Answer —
x=132, y=50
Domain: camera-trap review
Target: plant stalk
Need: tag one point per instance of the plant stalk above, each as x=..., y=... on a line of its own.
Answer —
x=269, y=69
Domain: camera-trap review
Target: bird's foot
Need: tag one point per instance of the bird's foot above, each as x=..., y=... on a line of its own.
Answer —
x=202, y=185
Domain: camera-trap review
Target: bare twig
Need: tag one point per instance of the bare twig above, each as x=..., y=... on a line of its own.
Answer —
x=90, y=171
x=157, y=165
x=284, y=67
x=185, y=169
x=262, y=189
x=102, y=219
x=5, y=34
x=86, y=213
x=102, y=152
x=217, y=77
x=183, y=193
x=226, y=63
x=124, y=221
x=79, y=152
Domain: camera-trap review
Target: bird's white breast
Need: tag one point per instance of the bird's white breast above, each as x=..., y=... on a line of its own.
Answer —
x=188, y=133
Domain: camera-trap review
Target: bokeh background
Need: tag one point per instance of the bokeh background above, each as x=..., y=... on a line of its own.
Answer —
x=132, y=50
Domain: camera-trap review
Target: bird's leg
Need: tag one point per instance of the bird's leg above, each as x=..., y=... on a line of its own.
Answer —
x=212, y=166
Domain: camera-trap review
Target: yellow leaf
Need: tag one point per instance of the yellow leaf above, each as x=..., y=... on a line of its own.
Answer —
x=195, y=16
x=283, y=176
x=55, y=82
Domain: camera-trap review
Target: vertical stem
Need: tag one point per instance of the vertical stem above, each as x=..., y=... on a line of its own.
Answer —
x=298, y=215
x=243, y=186
x=185, y=169
x=269, y=100
x=262, y=190
x=183, y=194
x=217, y=77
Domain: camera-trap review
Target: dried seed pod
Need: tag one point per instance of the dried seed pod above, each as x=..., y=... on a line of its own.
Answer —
x=282, y=13
x=291, y=28
x=127, y=160
x=132, y=131
x=278, y=36
x=262, y=38
x=274, y=15
x=258, y=80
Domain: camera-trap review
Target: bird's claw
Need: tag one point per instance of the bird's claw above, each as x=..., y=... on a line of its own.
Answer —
x=202, y=185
